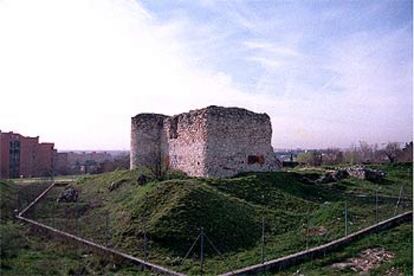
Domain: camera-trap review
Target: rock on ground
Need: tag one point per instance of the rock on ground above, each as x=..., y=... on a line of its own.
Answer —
x=70, y=194
x=367, y=260
x=116, y=184
x=333, y=176
x=364, y=173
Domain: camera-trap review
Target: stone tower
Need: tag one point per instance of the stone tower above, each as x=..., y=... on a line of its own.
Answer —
x=210, y=142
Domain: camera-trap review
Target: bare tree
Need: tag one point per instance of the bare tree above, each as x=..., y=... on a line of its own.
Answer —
x=391, y=151
x=352, y=155
x=366, y=152
x=312, y=158
x=332, y=156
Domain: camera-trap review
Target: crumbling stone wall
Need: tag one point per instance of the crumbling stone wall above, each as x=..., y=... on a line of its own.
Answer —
x=146, y=132
x=213, y=141
x=184, y=143
x=238, y=141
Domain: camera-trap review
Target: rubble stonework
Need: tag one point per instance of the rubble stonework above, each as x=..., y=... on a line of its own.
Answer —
x=361, y=173
x=364, y=173
x=210, y=142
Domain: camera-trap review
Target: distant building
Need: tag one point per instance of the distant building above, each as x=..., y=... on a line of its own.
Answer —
x=82, y=162
x=22, y=156
x=61, y=163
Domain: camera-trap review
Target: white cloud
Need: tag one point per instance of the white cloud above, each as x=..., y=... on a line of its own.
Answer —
x=272, y=48
x=75, y=72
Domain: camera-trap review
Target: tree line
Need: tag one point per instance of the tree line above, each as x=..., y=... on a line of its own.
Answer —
x=363, y=153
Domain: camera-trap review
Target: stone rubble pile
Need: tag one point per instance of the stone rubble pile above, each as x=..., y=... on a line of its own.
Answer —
x=70, y=194
x=364, y=173
x=366, y=261
x=333, y=176
x=393, y=272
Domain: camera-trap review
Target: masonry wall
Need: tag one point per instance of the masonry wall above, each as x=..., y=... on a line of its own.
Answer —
x=183, y=143
x=238, y=141
x=213, y=142
x=146, y=131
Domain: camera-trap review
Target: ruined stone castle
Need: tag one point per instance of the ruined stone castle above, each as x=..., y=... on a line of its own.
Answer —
x=209, y=142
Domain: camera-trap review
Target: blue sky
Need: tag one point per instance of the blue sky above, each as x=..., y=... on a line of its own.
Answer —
x=252, y=39
x=329, y=73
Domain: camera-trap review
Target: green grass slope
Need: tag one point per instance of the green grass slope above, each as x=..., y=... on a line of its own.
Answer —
x=170, y=213
x=398, y=241
x=8, y=199
x=174, y=211
x=24, y=251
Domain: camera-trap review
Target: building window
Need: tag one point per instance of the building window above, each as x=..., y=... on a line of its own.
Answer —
x=255, y=159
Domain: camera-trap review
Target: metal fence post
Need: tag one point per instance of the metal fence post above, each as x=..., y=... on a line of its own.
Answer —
x=398, y=202
x=202, y=251
x=108, y=230
x=376, y=206
x=263, y=239
x=307, y=231
x=346, y=219
x=145, y=244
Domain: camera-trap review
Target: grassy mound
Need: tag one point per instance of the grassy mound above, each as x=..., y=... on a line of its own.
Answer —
x=173, y=212
x=282, y=190
x=170, y=212
x=115, y=210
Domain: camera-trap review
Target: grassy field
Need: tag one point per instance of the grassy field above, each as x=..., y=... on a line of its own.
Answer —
x=169, y=213
x=398, y=241
x=27, y=252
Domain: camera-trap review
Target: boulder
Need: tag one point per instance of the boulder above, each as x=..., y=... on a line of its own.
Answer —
x=70, y=194
x=116, y=184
